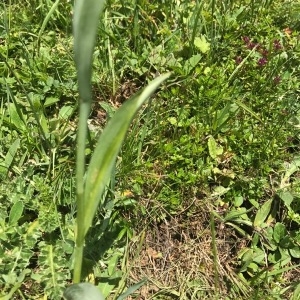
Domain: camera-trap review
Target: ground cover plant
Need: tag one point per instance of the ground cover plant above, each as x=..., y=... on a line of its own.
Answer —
x=204, y=199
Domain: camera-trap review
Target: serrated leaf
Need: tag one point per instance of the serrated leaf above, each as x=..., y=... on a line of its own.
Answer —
x=191, y=63
x=268, y=239
x=44, y=123
x=16, y=212
x=213, y=148
x=262, y=213
x=107, y=287
x=253, y=267
x=83, y=291
x=202, y=44
x=220, y=191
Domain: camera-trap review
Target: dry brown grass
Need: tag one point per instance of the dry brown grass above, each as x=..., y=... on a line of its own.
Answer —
x=177, y=259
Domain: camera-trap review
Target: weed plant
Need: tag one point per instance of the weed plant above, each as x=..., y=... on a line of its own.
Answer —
x=204, y=197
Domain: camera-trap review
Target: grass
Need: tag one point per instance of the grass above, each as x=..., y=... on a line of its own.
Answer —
x=205, y=192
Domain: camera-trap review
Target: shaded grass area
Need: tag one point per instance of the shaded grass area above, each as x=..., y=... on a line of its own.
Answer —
x=207, y=182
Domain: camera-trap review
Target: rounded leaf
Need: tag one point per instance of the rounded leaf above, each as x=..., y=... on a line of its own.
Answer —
x=286, y=243
x=295, y=252
x=279, y=232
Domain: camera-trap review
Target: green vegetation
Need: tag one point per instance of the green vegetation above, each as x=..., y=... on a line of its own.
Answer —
x=203, y=201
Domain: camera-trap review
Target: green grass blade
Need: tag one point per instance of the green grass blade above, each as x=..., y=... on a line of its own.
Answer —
x=132, y=289
x=9, y=157
x=296, y=294
x=248, y=109
x=108, y=146
x=214, y=253
x=46, y=20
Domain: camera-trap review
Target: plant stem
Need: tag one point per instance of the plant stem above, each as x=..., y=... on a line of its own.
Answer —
x=78, y=255
x=84, y=111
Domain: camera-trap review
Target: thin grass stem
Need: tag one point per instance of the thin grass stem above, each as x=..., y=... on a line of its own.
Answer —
x=214, y=252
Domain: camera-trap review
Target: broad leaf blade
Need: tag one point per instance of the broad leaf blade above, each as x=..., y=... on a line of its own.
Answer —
x=85, y=25
x=16, y=212
x=108, y=146
x=287, y=198
x=279, y=232
x=262, y=213
x=296, y=294
x=213, y=148
x=202, y=44
x=16, y=118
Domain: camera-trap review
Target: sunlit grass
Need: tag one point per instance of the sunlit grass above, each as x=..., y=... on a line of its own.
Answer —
x=220, y=137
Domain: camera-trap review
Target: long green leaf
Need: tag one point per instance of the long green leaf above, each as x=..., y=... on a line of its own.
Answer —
x=46, y=20
x=106, y=151
x=296, y=294
x=85, y=24
x=9, y=157
x=248, y=109
x=16, y=212
x=132, y=289
x=262, y=213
